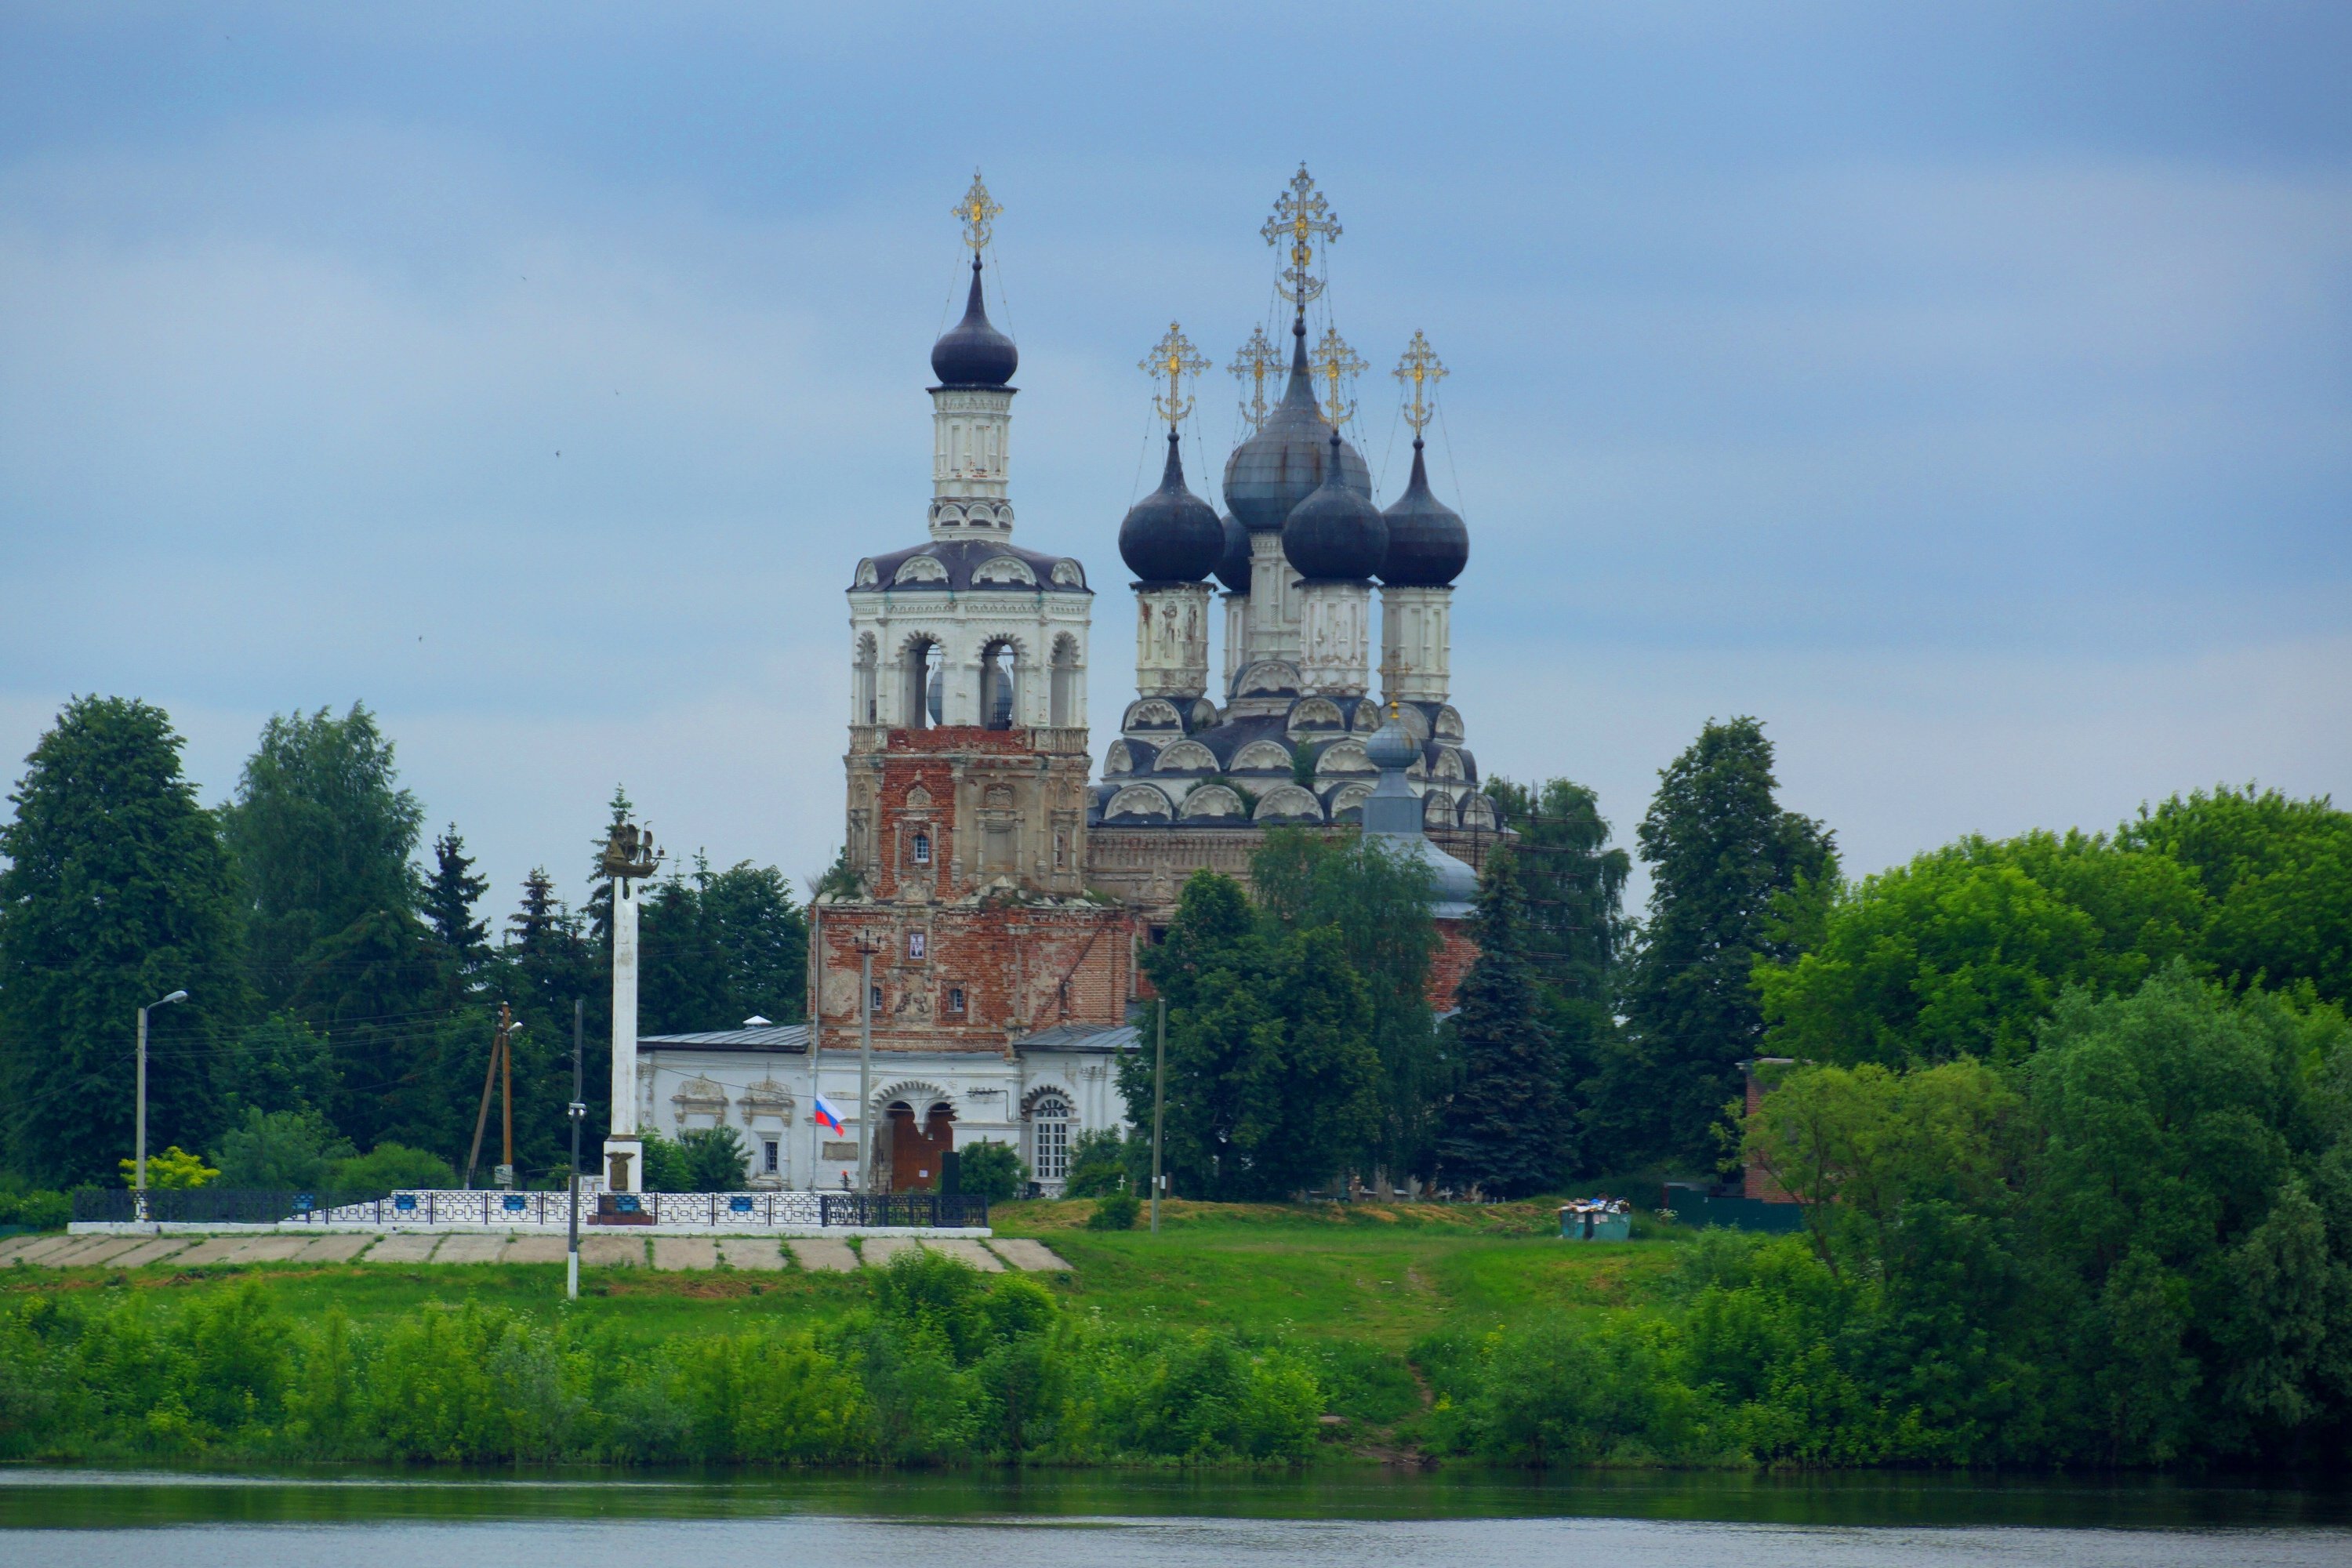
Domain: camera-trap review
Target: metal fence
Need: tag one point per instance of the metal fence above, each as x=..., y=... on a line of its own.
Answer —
x=236, y=1205
x=213, y=1206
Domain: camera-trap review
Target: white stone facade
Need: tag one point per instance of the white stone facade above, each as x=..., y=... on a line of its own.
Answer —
x=1038, y=1098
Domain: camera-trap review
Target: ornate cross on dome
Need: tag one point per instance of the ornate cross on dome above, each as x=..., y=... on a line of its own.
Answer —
x=1301, y=215
x=1336, y=363
x=1420, y=368
x=976, y=210
x=1255, y=362
x=1174, y=357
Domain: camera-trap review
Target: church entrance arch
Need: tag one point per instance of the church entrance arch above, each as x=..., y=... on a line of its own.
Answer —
x=917, y=1129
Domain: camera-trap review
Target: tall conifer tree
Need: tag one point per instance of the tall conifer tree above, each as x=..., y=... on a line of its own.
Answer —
x=450, y=895
x=1503, y=1130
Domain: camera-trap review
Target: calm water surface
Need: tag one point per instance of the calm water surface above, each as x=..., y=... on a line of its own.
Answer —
x=74, y=1517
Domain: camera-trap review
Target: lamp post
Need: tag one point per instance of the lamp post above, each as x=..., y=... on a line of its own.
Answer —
x=139, y=1181
x=1158, y=1108
x=579, y=1115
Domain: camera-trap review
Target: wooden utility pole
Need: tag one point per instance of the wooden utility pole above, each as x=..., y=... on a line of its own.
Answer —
x=867, y=947
x=500, y=1056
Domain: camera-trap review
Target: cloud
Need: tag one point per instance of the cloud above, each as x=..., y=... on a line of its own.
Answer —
x=2005, y=478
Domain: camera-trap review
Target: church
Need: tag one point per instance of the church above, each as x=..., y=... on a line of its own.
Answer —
x=982, y=980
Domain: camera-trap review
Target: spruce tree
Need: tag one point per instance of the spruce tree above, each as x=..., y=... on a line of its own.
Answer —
x=1577, y=934
x=1503, y=1130
x=116, y=890
x=762, y=935
x=1722, y=853
x=544, y=965
x=450, y=895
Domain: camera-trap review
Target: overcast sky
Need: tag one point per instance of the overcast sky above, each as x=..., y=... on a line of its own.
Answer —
x=1965, y=395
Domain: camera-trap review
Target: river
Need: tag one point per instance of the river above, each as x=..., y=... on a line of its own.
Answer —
x=62, y=1518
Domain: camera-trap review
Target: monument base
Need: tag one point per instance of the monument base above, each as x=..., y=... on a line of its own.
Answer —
x=624, y=1165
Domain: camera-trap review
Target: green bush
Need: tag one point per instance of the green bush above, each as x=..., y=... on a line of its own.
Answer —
x=389, y=1167
x=1116, y=1212
x=994, y=1171
x=1098, y=1164
x=36, y=1210
x=714, y=1160
x=944, y=1365
x=665, y=1168
x=281, y=1151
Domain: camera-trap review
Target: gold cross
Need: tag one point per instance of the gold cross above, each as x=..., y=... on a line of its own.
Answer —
x=976, y=210
x=1301, y=215
x=1335, y=362
x=1420, y=367
x=1391, y=667
x=1254, y=363
x=1174, y=357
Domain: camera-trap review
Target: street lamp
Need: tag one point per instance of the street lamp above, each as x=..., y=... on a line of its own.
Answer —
x=139, y=1180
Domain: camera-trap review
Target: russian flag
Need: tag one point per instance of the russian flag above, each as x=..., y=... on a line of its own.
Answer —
x=827, y=1116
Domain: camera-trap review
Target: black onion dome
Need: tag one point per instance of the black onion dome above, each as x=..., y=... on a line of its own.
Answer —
x=1336, y=534
x=1280, y=466
x=1234, y=566
x=974, y=353
x=1428, y=545
x=1171, y=535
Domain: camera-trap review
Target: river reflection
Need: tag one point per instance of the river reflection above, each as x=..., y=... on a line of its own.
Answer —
x=1346, y=1520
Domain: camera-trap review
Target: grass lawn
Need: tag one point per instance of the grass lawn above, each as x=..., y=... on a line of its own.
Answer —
x=1375, y=1276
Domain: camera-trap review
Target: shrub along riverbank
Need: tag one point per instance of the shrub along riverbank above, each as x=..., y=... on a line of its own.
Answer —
x=939, y=1365
x=2133, y=1248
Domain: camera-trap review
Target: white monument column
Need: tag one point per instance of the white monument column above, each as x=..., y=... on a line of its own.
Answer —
x=629, y=858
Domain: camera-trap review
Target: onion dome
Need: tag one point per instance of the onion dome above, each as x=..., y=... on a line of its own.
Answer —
x=1274, y=470
x=1171, y=535
x=1392, y=746
x=1234, y=566
x=1428, y=545
x=1336, y=534
x=974, y=353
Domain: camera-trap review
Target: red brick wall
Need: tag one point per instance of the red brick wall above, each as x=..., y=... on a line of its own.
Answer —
x=1019, y=966
x=1447, y=967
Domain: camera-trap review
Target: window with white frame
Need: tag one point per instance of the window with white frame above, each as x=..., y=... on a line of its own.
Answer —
x=922, y=848
x=955, y=998
x=1049, y=1138
x=915, y=944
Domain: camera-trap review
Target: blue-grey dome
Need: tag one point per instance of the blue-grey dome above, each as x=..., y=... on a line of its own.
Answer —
x=1171, y=535
x=1428, y=544
x=1280, y=466
x=1392, y=746
x=973, y=353
x=1336, y=534
x=1234, y=566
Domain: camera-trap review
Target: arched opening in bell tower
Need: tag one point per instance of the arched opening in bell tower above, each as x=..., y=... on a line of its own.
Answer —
x=920, y=693
x=1064, y=683
x=999, y=665
x=864, y=702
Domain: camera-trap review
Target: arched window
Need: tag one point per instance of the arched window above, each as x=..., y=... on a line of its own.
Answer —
x=1049, y=1137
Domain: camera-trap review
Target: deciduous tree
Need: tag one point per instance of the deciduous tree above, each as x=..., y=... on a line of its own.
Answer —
x=116, y=890
x=1721, y=852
